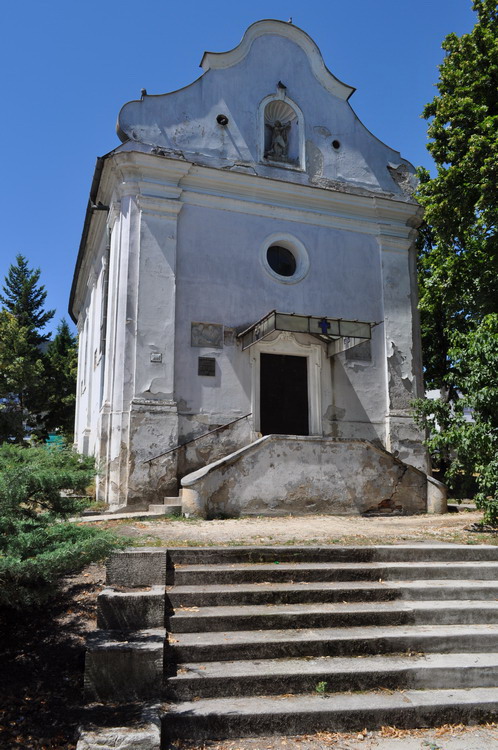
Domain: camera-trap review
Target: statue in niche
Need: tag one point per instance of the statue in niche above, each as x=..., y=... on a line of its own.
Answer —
x=278, y=150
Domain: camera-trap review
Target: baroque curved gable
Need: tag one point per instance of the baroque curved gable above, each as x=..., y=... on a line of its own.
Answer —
x=219, y=119
x=298, y=36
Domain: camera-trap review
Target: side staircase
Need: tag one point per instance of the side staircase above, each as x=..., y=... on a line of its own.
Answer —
x=244, y=641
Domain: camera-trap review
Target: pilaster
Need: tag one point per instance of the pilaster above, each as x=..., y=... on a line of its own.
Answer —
x=139, y=382
x=403, y=371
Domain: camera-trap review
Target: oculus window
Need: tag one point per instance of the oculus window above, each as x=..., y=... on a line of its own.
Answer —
x=281, y=260
x=284, y=258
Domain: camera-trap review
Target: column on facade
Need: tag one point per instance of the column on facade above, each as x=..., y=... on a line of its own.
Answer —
x=139, y=407
x=404, y=378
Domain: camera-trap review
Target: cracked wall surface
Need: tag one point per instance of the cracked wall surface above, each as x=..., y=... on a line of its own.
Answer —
x=280, y=475
x=178, y=254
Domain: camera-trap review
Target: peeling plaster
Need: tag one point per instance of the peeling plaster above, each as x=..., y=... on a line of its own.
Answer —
x=314, y=160
x=193, y=203
x=278, y=475
x=404, y=178
x=400, y=380
x=322, y=130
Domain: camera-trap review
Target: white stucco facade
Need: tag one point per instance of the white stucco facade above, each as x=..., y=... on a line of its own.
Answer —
x=173, y=265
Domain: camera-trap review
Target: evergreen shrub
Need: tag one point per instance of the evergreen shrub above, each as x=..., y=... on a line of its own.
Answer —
x=37, y=543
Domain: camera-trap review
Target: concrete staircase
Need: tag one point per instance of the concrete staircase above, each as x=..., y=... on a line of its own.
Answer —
x=286, y=640
x=171, y=506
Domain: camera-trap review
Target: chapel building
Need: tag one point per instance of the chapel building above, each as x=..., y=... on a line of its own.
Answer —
x=245, y=295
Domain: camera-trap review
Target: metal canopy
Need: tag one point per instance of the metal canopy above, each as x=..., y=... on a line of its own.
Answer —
x=337, y=333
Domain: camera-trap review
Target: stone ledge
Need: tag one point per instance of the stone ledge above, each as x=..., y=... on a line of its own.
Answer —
x=124, y=666
x=145, y=735
x=131, y=610
x=145, y=566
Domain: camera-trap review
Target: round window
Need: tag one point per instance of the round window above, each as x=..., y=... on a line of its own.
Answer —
x=284, y=258
x=281, y=260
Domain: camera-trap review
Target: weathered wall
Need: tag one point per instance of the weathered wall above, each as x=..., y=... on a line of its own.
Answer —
x=221, y=279
x=193, y=205
x=91, y=359
x=280, y=474
x=275, y=52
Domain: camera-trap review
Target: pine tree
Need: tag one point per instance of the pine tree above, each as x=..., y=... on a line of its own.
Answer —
x=22, y=362
x=21, y=374
x=61, y=368
x=24, y=298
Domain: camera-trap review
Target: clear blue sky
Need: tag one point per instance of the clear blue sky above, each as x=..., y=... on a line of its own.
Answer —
x=68, y=67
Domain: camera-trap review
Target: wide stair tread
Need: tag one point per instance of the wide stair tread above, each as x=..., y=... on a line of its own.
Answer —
x=276, y=676
x=366, y=555
x=255, y=593
x=298, y=714
x=297, y=642
x=332, y=613
x=331, y=571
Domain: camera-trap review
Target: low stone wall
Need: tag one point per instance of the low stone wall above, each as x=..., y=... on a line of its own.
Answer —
x=284, y=474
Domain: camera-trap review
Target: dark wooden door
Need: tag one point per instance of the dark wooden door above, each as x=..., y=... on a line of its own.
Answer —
x=284, y=395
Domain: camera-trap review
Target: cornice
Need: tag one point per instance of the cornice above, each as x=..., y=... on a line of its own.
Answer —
x=250, y=194
x=114, y=209
x=137, y=173
x=161, y=185
x=159, y=205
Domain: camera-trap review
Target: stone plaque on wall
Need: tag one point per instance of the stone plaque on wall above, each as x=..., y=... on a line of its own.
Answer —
x=206, y=366
x=229, y=336
x=207, y=334
x=360, y=353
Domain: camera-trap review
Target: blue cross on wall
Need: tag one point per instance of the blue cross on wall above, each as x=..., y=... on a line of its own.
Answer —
x=324, y=325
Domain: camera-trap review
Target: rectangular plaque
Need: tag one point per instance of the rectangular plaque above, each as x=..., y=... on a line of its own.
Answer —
x=206, y=366
x=360, y=353
x=207, y=334
x=229, y=336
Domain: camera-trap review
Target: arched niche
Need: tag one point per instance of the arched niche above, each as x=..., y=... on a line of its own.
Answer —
x=282, y=133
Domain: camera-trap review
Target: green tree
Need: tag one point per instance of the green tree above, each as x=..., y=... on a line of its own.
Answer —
x=60, y=380
x=21, y=374
x=458, y=257
x=30, y=384
x=469, y=448
x=24, y=297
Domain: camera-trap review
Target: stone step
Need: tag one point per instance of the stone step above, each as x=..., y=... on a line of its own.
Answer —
x=126, y=667
x=404, y=635
x=295, y=572
x=334, y=553
x=334, y=674
x=135, y=609
x=348, y=641
x=279, y=616
x=330, y=591
x=218, y=718
x=166, y=509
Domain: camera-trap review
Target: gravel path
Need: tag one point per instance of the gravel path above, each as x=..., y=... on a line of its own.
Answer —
x=450, y=527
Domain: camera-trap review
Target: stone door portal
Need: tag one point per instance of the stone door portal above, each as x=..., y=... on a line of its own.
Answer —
x=284, y=395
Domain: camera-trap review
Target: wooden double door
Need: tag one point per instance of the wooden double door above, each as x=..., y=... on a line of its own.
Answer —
x=284, y=395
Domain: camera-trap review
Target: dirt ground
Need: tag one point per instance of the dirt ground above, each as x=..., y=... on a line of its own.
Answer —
x=42, y=653
x=309, y=530
x=42, y=657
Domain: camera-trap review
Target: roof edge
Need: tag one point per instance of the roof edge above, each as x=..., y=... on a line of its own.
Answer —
x=217, y=60
x=92, y=200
